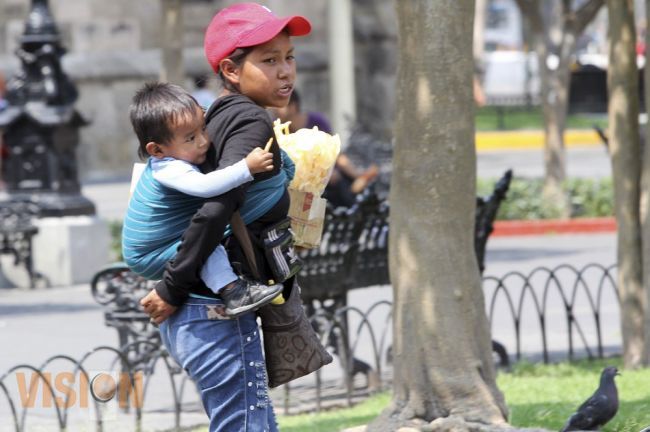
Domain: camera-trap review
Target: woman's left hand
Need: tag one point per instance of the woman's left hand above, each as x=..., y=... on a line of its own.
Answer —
x=157, y=308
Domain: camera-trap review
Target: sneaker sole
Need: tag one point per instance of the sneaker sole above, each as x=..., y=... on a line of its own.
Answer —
x=264, y=301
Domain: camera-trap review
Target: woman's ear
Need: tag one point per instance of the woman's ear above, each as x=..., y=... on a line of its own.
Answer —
x=230, y=71
x=154, y=149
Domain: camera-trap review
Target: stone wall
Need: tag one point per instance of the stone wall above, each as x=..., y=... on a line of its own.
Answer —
x=113, y=47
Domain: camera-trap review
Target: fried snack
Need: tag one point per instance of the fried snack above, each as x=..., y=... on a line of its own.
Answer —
x=314, y=153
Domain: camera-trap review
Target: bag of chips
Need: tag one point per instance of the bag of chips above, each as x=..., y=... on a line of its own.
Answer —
x=314, y=153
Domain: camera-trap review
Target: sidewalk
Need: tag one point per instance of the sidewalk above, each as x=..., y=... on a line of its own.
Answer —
x=38, y=324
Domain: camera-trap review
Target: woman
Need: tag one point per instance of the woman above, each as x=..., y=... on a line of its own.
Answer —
x=250, y=49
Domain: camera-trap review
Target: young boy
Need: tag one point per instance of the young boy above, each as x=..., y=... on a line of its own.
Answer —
x=170, y=127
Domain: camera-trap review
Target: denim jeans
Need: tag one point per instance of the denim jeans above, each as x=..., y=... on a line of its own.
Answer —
x=224, y=359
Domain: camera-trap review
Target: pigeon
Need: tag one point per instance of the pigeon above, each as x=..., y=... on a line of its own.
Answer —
x=600, y=408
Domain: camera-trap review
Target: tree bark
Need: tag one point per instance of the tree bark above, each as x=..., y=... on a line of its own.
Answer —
x=622, y=84
x=555, y=104
x=645, y=199
x=442, y=350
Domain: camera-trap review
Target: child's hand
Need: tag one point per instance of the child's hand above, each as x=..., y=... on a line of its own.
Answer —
x=259, y=161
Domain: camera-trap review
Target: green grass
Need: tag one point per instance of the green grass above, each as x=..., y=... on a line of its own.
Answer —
x=545, y=396
x=541, y=396
x=336, y=420
x=487, y=118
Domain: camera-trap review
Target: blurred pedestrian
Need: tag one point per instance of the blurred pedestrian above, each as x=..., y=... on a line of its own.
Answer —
x=301, y=119
x=347, y=180
x=3, y=90
x=203, y=95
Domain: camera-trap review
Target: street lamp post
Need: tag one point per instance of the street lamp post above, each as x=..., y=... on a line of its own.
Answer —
x=41, y=125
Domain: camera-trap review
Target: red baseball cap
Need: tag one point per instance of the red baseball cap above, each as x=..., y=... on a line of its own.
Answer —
x=244, y=25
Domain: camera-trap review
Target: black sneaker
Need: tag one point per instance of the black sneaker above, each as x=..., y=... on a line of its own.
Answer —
x=245, y=296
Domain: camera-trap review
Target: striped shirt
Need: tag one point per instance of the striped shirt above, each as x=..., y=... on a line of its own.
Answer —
x=155, y=220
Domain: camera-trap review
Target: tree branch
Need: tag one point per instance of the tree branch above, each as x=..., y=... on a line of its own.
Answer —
x=583, y=16
x=530, y=9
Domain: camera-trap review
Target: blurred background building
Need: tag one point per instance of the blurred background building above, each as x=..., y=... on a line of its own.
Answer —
x=114, y=46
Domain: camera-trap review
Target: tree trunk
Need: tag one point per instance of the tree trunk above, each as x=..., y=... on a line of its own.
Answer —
x=172, y=42
x=622, y=84
x=555, y=77
x=645, y=199
x=442, y=351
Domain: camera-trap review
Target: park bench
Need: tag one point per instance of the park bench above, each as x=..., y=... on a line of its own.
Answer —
x=16, y=233
x=353, y=254
x=354, y=249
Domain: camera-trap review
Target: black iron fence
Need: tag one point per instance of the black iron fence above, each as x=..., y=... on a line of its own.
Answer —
x=562, y=312
x=547, y=314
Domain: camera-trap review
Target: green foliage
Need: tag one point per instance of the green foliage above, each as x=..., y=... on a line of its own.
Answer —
x=591, y=197
x=517, y=118
x=115, y=228
x=588, y=197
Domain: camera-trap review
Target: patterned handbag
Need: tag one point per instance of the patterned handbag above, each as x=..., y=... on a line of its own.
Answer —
x=292, y=348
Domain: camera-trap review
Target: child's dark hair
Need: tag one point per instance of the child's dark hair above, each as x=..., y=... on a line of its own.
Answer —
x=154, y=110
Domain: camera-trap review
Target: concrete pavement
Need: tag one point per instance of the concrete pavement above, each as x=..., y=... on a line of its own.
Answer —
x=35, y=325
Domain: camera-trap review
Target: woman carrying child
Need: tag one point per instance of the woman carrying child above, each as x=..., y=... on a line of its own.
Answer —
x=250, y=49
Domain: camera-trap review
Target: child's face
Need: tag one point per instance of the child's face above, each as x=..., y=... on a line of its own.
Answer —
x=268, y=73
x=189, y=142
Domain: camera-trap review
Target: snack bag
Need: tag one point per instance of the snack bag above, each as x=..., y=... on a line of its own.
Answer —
x=314, y=153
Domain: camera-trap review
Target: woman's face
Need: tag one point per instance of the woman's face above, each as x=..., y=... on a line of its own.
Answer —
x=268, y=73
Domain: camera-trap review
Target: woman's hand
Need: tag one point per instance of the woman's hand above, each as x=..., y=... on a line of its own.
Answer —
x=157, y=308
x=259, y=161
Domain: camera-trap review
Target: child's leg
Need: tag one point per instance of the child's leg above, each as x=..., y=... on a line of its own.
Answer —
x=217, y=272
x=199, y=241
x=239, y=295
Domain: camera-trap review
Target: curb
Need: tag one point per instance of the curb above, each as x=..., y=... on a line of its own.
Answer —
x=554, y=226
x=532, y=139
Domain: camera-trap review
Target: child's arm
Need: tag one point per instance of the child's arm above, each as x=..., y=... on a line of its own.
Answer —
x=250, y=132
x=185, y=177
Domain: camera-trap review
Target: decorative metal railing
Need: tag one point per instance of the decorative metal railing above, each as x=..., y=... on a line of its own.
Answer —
x=548, y=305
x=546, y=314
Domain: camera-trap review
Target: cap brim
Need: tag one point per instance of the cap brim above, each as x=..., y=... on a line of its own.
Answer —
x=296, y=25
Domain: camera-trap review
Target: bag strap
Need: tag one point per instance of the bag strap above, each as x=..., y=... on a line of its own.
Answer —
x=241, y=233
